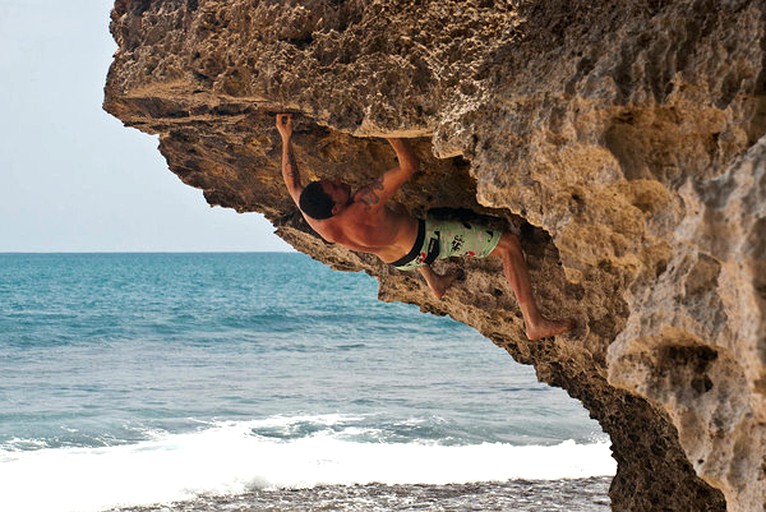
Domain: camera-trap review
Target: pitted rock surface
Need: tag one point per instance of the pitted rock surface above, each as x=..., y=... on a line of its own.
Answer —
x=624, y=140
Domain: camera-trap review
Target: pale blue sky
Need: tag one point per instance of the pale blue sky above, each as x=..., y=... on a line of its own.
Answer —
x=72, y=178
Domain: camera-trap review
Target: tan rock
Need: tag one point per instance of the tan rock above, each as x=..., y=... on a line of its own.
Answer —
x=621, y=137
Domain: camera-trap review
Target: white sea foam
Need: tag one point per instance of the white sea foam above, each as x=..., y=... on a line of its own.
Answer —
x=228, y=458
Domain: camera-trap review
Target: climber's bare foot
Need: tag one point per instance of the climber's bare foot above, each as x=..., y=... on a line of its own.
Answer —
x=440, y=284
x=545, y=328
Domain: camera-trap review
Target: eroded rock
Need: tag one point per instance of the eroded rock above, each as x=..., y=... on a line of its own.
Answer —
x=623, y=139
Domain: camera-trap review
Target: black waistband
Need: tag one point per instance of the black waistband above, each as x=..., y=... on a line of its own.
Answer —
x=415, y=247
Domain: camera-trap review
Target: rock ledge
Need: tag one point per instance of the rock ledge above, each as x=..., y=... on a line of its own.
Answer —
x=624, y=139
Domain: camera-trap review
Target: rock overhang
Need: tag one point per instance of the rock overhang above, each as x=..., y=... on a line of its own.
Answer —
x=619, y=137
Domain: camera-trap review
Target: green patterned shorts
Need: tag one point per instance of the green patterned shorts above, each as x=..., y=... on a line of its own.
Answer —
x=441, y=239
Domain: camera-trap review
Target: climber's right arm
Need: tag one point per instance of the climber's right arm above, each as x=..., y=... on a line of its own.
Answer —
x=290, y=172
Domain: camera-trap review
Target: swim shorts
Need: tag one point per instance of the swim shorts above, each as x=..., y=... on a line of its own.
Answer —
x=441, y=239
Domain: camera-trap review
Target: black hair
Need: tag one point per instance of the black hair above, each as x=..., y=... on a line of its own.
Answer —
x=315, y=202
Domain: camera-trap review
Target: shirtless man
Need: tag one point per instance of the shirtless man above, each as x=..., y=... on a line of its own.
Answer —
x=366, y=221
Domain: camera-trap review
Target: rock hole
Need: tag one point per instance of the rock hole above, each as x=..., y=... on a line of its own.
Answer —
x=301, y=42
x=703, y=276
x=577, y=204
x=702, y=384
x=697, y=357
x=140, y=7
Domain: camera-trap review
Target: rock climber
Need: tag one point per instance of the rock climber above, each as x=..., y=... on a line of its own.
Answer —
x=368, y=221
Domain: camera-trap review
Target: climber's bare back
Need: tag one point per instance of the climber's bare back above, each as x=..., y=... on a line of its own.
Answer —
x=385, y=230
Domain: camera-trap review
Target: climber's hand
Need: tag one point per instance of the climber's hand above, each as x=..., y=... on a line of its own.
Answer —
x=285, y=126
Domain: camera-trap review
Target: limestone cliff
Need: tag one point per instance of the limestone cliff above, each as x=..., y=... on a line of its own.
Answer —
x=623, y=137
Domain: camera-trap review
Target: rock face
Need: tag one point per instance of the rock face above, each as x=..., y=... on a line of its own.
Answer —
x=623, y=137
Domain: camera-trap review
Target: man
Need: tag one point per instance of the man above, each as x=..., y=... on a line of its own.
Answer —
x=367, y=221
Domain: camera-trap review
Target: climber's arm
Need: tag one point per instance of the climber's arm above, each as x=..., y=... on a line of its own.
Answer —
x=381, y=190
x=290, y=172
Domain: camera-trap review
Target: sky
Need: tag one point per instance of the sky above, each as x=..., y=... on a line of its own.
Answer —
x=72, y=177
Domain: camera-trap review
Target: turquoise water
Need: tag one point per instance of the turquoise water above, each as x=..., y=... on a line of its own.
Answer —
x=220, y=374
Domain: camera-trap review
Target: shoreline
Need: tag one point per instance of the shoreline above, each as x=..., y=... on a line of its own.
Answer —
x=573, y=495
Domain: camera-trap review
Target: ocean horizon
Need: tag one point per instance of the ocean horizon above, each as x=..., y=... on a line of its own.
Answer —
x=266, y=381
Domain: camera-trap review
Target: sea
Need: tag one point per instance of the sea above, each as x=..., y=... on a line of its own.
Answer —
x=267, y=382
